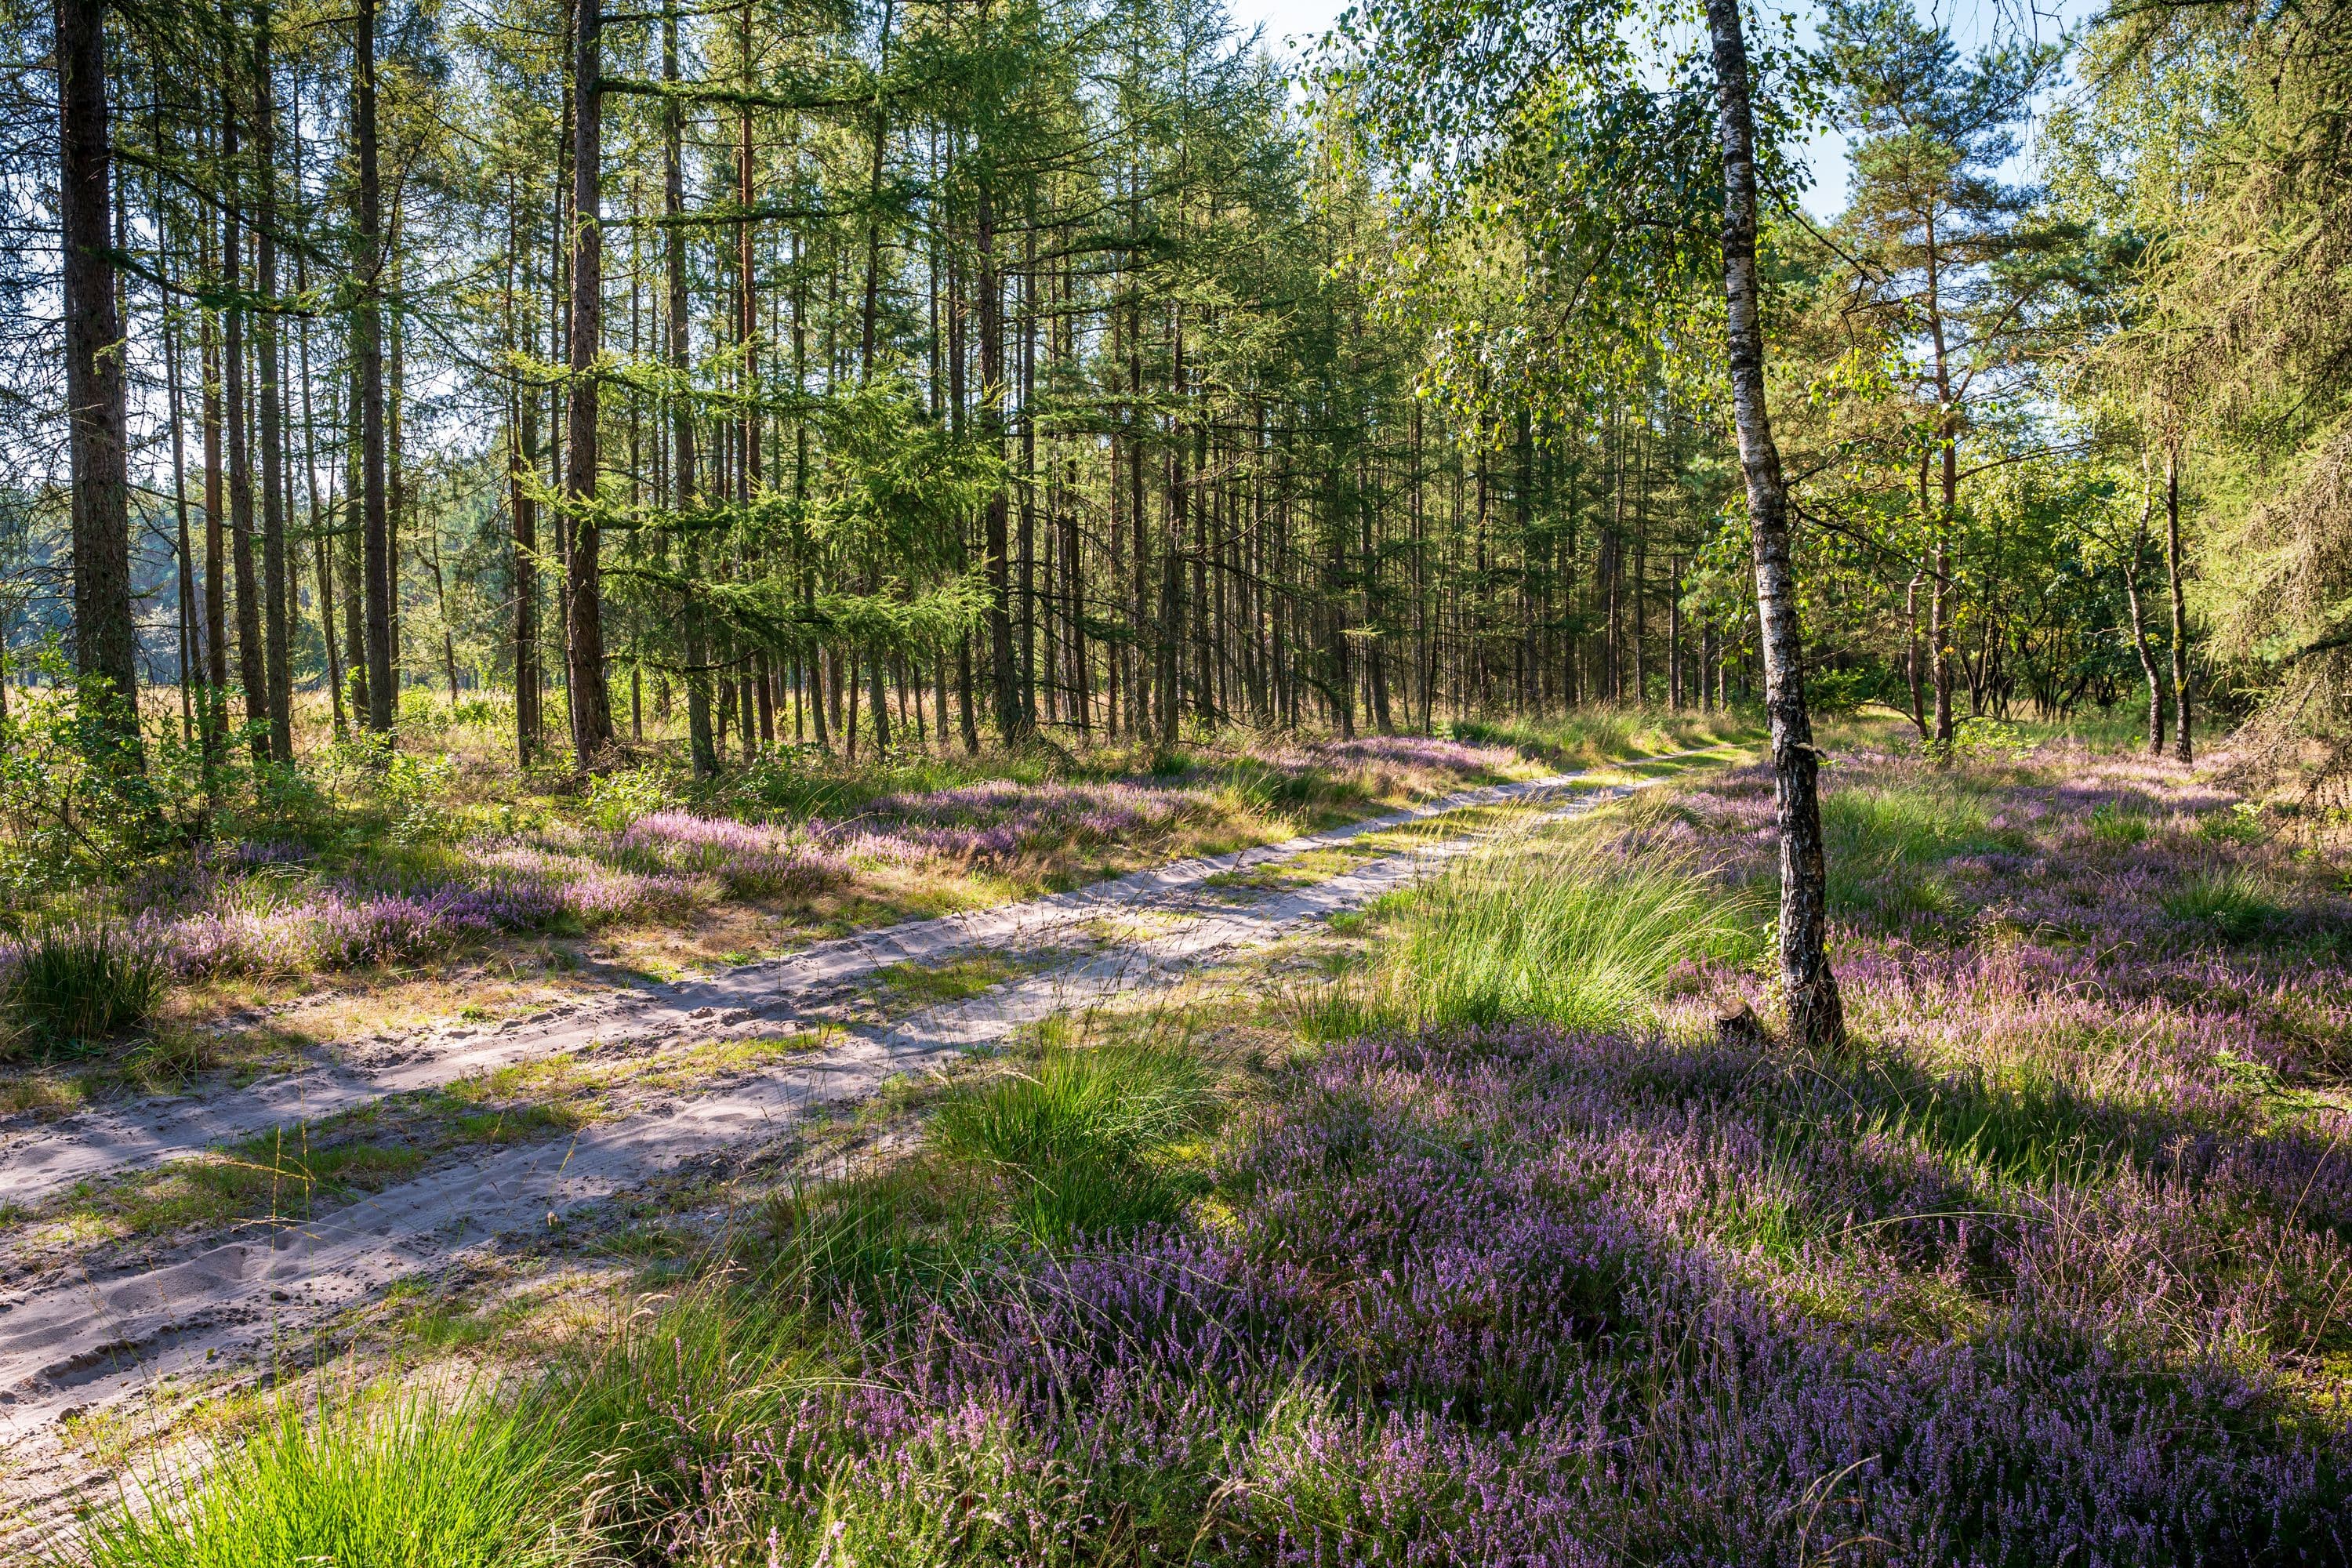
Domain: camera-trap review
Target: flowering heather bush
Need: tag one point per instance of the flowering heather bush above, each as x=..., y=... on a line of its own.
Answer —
x=752, y=861
x=251, y=907
x=1422, y=751
x=2057, y=1272
x=998, y=819
x=2000, y=920
x=224, y=914
x=1535, y=1297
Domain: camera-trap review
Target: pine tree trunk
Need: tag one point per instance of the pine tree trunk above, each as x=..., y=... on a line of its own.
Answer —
x=701, y=745
x=106, y=641
x=523, y=466
x=191, y=655
x=355, y=564
x=592, y=711
x=278, y=668
x=2139, y=639
x=236, y=411
x=1816, y=1014
x=1003, y=688
x=367, y=329
x=215, y=597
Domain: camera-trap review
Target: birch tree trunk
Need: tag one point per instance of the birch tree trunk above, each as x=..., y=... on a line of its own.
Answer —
x=2181, y=748
x=1816, y=1014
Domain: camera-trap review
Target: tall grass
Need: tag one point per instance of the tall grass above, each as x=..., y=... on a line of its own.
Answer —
x=363, y=1484
x=626, y=1415
x=1552, y=931
x=1071, y=1143
x=1887, y=847
x=80, y=982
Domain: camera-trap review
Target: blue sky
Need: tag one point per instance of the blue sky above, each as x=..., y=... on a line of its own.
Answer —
x=1293, y=25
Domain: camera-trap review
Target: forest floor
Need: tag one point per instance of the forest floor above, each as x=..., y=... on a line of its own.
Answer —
x=157, y=1250
x=1408, y=1192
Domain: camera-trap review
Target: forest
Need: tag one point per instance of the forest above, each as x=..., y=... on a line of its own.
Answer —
x=1035, y=782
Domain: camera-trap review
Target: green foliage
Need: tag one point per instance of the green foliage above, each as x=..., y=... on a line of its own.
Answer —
x=76, y=808
x=615, y=800
x=1986, y=739
x=1836, y=692
x=80, y=983
x=406, y=788
x=384, y=1481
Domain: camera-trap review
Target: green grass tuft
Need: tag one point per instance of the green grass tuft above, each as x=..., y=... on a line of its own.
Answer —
x=1111, y=1102
x=1538, y=931
x=82, y=982
x=1075, y=1132
x=1887, y=847
x=2114, y=823
x=405, y=1484
x=2233, y=902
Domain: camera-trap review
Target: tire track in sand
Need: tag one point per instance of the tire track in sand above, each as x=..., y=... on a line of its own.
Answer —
x=97, y=1342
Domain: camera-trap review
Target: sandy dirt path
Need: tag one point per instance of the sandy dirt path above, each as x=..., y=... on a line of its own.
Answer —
x=40, y=1158
x=74, y=1344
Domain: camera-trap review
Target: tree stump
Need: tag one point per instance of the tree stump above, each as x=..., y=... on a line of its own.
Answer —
x=1735, y=1023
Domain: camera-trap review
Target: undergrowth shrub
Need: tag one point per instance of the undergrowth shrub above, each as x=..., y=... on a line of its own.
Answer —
x=82, y=981
x=616, y=800
x=76, y=808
